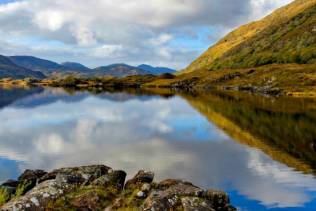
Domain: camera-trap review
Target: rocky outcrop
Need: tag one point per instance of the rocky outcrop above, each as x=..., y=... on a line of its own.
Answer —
x=101, y=188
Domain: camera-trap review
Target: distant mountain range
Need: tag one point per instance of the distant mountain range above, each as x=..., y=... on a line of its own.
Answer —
x=9, y=69
x=119, y=70
x=29, y=66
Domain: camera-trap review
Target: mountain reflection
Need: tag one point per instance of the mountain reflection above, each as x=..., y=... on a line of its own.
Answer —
x=192, y=137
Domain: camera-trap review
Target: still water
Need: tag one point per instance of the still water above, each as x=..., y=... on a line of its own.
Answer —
x=261, y=150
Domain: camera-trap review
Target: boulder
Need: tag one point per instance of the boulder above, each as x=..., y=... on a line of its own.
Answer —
x=139, y=179
x=88, y=173
x=177, y=194
x=31, y=175
x=113, y=178
x=11, y=183
x=39, y=197
x=101, y=188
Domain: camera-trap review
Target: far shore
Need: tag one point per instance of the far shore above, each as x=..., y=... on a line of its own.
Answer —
x=271, y=80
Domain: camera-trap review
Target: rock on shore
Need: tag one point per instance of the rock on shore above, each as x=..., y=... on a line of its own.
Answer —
x=99, y=187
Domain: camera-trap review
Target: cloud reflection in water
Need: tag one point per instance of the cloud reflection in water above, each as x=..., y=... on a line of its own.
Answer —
x=166, y=136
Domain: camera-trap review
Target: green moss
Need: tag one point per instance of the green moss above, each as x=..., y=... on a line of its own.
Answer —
x=105, y=197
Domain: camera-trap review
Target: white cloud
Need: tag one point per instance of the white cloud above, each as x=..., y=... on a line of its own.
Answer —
x=160, y=40
x=50, y=144
x=138, y=26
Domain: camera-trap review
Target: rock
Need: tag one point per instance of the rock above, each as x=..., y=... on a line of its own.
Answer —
x=146, y=187
x=11, y=183
x=117, y=178
x=141, y=194
x=89, y=173
x=39, y=197
x=88, y=201
x=101, y=188
x=73, y=179
x=140, y=178
x=30, y=175
x=195, y=203
x=28, y=180
x=101, y=181
x=218, y=198
x=177, y=194
x=113, y=178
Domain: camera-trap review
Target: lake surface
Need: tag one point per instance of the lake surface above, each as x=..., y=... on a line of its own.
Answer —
x=261, y=150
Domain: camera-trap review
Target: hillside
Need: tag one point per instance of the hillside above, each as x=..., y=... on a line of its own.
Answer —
x=37, y=64
x=118, y=70
x=75, y=66
x=48, y=67
x=9, y=69
x=288, y=35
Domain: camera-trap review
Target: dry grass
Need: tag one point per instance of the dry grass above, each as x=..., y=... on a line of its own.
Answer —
x=248, y=31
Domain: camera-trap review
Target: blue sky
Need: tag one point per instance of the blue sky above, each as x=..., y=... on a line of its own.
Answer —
x=98, y=32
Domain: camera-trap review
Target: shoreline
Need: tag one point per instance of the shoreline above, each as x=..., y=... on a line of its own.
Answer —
x=271, y=80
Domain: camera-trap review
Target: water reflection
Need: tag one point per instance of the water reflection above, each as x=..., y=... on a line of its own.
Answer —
x=193, y=137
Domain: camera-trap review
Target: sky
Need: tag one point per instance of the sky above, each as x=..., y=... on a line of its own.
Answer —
x=169, y=33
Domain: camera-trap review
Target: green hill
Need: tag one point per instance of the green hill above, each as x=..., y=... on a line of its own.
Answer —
x=288, y=35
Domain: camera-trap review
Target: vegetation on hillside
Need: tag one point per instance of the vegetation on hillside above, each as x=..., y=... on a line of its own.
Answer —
x=286, y=36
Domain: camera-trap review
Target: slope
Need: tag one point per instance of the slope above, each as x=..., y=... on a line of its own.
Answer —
x=285, y=36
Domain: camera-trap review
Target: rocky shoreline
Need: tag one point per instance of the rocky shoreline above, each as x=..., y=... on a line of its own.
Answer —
x=99, y=187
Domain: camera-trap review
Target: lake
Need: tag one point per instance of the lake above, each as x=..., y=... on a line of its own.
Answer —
x=261, y=150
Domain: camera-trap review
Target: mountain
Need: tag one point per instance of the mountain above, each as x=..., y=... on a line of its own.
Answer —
x=50, y=68
x=118, y=70
x=75, y=66
x=288, y=35
x=156, y=70
x=45, y=66
x=10, y=69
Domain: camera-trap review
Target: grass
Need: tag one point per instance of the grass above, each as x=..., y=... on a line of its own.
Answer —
x=284, y=36
x=22, y=188
x=5, y=196
x=105, y=198
x=290, y=79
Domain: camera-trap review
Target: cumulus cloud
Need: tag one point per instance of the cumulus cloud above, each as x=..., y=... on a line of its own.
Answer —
x=144, y=29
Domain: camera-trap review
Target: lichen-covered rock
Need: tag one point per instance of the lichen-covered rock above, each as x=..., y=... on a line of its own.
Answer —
x=195, y=203
x=113, y=178
x=28, y=180
x=31, y=175
x=38, y=197
x=139, y=179
x=88, y=173
x=102, y=188
x=177, y=194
